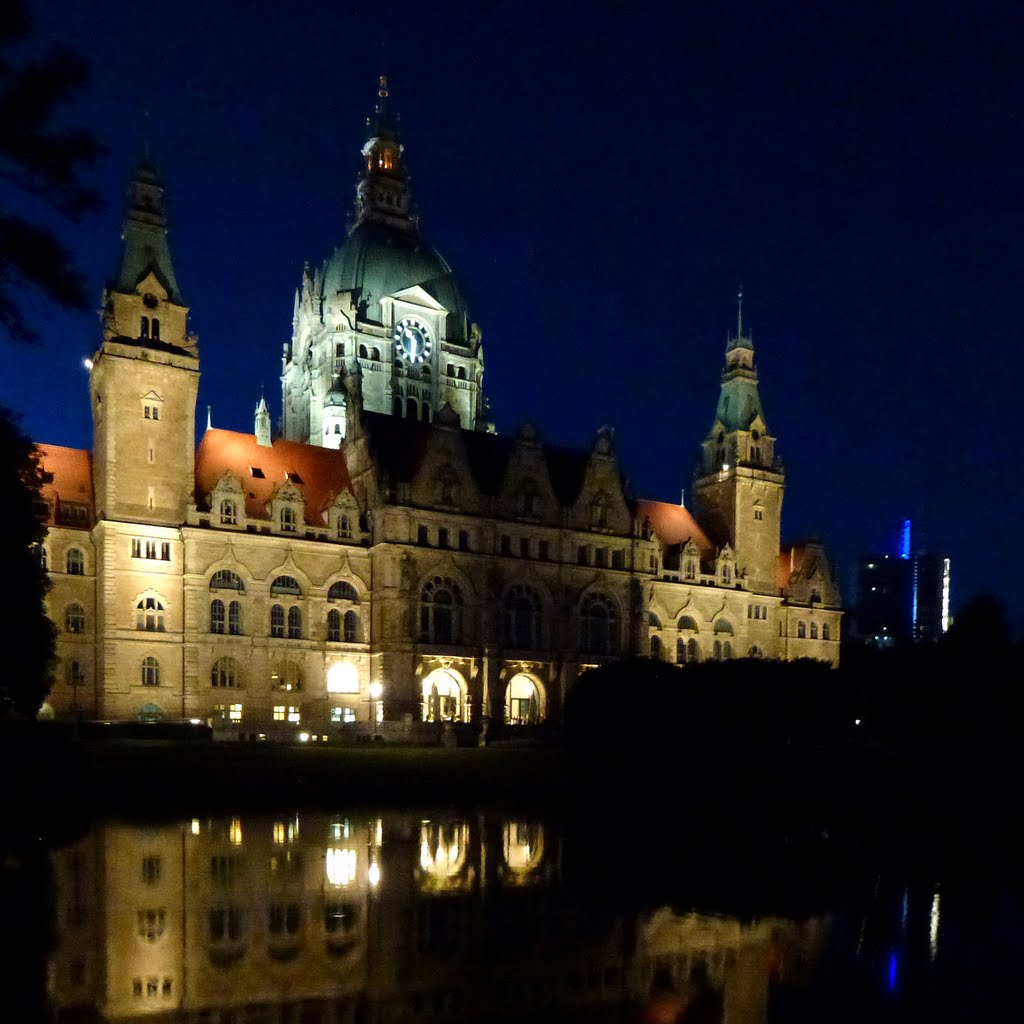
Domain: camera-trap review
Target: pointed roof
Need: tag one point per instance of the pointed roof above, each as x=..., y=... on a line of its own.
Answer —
x=739, y=402
x=382, y=123
x=144, y=246
x=673, y=524
x=67, y=480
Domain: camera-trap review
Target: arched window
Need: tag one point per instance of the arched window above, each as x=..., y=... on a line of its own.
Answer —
x=692, y=651
x=657, y=650
x=680, y=651
x=690, y=568
x=724, y=626
x=726, y=650
x=277, y=620
x=462, y=373
x=717, y=650
x=343, y=591
x=75, y=563
x=687, y=622
x=295, y=622
x=287, y=676
x=225, y=579
x=755, y=652
x=228, y=516
x=521, y=618
x=225, y=673
x=352, y=631
x=411, y=408
x=653, y=621
x=287, y=519
x=522, y=701
x=826, y=633
x=801, y=630
x=363, y=353
x=814, y=631
x=441, y=612
x=599, y=513
x=334, y=625
x=343, y=677
x=144, y=327
x=396, y=406
x=599, y=625
x=425, y=411
x=149, y=615
x=286, y=585
x=345, y=527
x=375, y=354
x=235, y=618
x=74, y=618
x=154, y=329
x=217, y=617
x=150, y=672
x=727, y=572
x=442, y=697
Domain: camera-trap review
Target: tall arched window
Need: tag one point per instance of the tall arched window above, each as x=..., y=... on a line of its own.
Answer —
x=522, y=701
x=286, y=585
x=295, y=622
x=411, y=408
x=277, y=620
x=441, y=612
x=144, y=327
x=287, y=519
x=235, y=618
x=599, y=625
x=334, y=625
x=228, y=515
x=225, y=673
x=726, y=650
x=521, y=618
x=217, y=618
x=801, y=631
x=680, y=651
x=343, y=591
x=74, y=618
x=75, y=563
x=150, y=672
x=352, y=627
x=657, y=650
x=814, y=631
x=692, y=650
x=154, y=329
x=149, y=615
x=717, y=650
x=826, y=633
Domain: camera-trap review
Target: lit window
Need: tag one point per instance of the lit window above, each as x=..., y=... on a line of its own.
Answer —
x=228, y=516
x=287, y=519
x=279, y=712
x=343, y=677
x=293, y=715
x=75, y=563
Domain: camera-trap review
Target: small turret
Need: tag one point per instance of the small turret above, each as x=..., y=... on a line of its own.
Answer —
x=262, y=430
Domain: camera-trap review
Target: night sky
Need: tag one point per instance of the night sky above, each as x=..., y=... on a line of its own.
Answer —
x=601, y=176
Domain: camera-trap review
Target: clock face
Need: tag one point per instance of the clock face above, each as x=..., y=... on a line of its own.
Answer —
x=412, y=339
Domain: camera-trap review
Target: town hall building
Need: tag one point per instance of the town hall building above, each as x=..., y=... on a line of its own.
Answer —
x=386, y=558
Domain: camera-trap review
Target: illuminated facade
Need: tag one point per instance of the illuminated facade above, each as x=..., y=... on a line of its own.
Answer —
x=389, y=560
x=327, y=918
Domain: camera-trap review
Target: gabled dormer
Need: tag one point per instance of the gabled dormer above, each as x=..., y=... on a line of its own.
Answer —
x=526, y=491
x=343, y=519
x=227, y=503
x=601, y=505
x=287, y=510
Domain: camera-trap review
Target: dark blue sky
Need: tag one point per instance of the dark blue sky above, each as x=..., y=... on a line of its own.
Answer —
x=601, y=176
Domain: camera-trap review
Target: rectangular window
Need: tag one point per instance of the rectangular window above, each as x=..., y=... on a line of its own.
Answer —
x=343, y=715
x=151, y=870
x=293, y=715
x=618, y=559
x=463, y=540
x=544, y=552
x=583, y=555
x=152, y=986
x=442, y=537
x=235, y=712
x=422, y=536
x=167, y=987
x=601, y=558
x=524, y=547
x=137, y=987
x=165, y=551
x=223, y=870
x=136, y=547
x=506, y=544
x=279, y=712
x=758, y=514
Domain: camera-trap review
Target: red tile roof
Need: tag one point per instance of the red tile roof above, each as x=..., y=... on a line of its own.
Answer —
x=319, y=473
x=67, y=480
x=673, y=524
x=790, y=561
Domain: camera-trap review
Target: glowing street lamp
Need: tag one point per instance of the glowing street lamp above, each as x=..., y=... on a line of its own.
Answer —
x=376, y=706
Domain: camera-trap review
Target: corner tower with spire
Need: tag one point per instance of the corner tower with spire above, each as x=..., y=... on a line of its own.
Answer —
x=384, y=308
x=144, y=378
x=739, y=481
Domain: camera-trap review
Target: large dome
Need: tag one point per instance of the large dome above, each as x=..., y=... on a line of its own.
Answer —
x=377, y=260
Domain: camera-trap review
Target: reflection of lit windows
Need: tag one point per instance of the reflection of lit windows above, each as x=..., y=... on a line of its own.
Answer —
x=442, y=850
x=225, y=924
x=523, y=844
x=341, y=866
x=286, y=831
x=151, y=870
x=151, y=924
x=285, y=864
x=373, y=875
x=235, y=832
x=340, y=917
x=341, y=829
x=283, y=918
x=223, y=870
x=195, y=826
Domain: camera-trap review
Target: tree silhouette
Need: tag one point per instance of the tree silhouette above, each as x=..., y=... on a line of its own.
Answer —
x=40, y=168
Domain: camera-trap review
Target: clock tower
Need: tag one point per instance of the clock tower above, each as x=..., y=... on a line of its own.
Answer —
x=385, y=309
x=739, y=480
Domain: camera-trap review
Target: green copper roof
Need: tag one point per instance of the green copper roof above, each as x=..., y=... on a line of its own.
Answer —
x=144, y=239
x=378, y=260
x=739, y=403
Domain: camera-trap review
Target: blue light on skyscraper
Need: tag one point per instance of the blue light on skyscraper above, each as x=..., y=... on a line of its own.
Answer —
x=905, y=539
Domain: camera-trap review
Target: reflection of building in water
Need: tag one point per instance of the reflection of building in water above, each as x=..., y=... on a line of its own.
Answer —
x=338, y=918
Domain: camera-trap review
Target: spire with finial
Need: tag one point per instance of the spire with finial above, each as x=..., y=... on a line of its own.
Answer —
x=144, y=237
x=209, y=417
x=262, y=426
x=382, y=194
x=741, y=340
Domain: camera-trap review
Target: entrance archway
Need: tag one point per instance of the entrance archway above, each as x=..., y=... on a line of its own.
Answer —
x=524, y=700
x=444, y=697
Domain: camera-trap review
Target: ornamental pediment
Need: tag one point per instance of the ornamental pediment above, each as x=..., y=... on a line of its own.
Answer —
x=418, y=296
